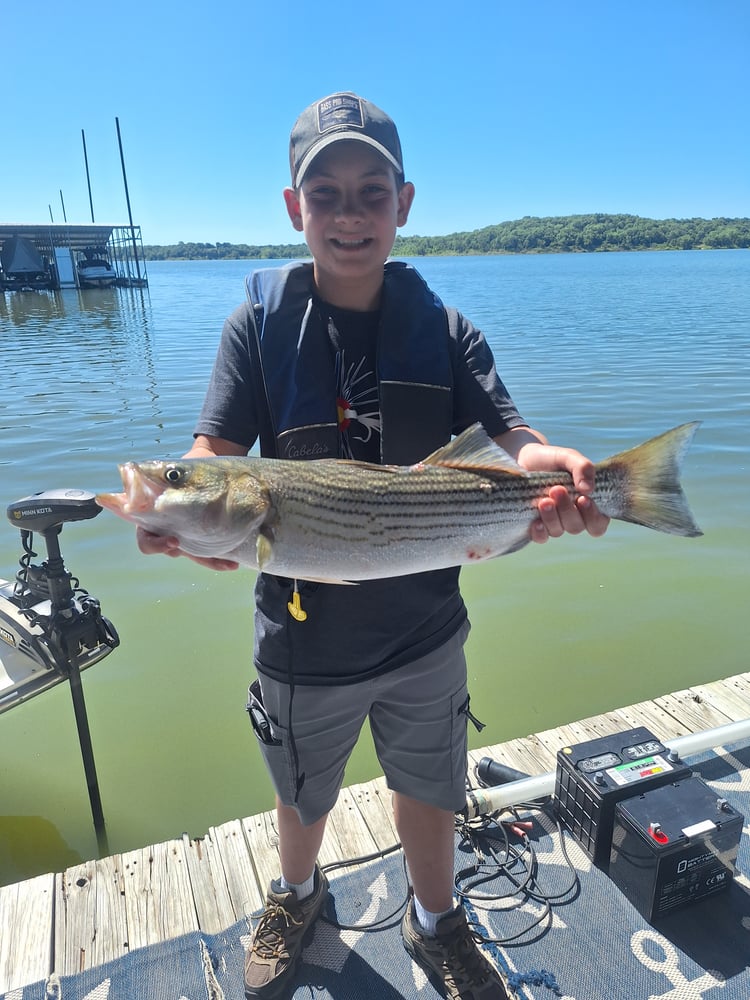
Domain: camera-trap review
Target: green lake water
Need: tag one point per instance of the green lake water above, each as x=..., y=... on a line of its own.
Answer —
x=599, y=351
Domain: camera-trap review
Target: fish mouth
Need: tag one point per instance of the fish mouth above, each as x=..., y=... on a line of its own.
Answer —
x=140, y=496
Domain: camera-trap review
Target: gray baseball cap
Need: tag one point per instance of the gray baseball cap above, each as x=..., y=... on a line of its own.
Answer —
x=341, y=116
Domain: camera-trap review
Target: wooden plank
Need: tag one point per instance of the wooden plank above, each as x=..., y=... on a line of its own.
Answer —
x=262, y=839
x=373, y=799
x=529, y=755
x=347, y=835
x=158, y=898
x=693, y=711
x=208, y=883
x=263, y=843
x=90, y=923
x=242, y=882
x=661, y=723
x=353, y=834
x=730, y=697
x=741, y=685
x=331, y=849
x=580, y=732
x=26, y=935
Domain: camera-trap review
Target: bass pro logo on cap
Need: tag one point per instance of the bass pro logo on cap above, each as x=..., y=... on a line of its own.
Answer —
x=343, y=109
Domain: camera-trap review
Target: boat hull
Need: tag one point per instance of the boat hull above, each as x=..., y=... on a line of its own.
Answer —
x=96, y=276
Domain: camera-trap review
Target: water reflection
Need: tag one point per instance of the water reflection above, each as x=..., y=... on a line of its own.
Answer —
x=20, y=308
x=106, y=304
x=30, y=844
x=118, y=309
x=101, y=301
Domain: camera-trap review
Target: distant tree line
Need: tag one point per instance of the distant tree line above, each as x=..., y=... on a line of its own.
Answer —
x=557, y=234
x=225, y=251
x=585, y=234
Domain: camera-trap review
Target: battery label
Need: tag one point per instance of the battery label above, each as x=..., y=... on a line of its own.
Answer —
x=695, y=880
x=627, y=774
x=688, y=864
x=7, y=636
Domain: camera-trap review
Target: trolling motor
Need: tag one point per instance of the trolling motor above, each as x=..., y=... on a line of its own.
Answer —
x=50, y=627
x=44, y=613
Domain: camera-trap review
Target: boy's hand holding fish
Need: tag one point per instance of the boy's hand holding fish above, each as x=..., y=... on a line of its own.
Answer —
x=151, y=544
x=558, y=511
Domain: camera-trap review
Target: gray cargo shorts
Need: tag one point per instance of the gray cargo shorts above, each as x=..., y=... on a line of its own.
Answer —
x=418, y=721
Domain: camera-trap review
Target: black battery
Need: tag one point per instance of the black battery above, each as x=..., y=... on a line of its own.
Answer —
x=592, y=777
x=674, y=846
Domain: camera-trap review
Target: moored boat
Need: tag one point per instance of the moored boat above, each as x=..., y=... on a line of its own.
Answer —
x=22, y=266
x=95, y=270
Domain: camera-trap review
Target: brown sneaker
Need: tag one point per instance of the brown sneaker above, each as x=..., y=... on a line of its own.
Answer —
x=279, y=936
x=452, y=958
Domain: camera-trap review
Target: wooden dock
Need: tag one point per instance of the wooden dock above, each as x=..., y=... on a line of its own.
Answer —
x=99, y=911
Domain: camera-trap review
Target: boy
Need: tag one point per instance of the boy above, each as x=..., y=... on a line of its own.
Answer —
x=354, y=357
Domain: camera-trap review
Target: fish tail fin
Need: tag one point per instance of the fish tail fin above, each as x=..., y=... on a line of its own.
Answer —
x=649, y=476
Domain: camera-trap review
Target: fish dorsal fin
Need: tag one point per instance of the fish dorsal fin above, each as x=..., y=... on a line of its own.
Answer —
x=475, y=451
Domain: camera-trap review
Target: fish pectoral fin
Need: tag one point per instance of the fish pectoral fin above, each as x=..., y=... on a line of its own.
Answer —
x=263, y=550
x=475, y=451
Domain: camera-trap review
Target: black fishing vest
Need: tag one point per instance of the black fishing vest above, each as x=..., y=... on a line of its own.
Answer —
x=413, y=366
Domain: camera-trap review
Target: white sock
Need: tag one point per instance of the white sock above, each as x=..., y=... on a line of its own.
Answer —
x=428, y=920
x=301, y=889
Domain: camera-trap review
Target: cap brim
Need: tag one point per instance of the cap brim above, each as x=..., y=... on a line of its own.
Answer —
x=329, y=140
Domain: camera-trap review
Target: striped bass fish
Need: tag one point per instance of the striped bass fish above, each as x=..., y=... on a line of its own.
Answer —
x=340, y=521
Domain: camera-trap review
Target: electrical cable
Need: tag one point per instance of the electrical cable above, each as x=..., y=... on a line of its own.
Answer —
x=492, y=863
x=381, y=922
x=520, y=868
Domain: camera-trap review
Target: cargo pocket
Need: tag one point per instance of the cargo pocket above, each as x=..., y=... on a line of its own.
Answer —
x=274, y=745
x=259, y=718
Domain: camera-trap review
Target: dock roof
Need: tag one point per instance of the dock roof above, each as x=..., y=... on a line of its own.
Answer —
x=47, y=235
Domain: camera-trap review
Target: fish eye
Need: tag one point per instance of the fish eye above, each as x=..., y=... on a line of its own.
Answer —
x=173, y=475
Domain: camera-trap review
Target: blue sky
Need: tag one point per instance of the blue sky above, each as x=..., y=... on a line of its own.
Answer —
x=505, y=108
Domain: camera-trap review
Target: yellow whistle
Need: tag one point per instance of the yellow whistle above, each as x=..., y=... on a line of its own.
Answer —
x=295, y=608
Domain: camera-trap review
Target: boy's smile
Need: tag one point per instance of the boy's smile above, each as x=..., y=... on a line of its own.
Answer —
x=349, y=207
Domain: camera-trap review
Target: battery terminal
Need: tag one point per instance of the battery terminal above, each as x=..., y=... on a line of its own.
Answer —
x=655, y=830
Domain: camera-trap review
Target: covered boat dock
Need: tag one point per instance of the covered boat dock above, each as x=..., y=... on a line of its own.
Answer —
x=63, y=248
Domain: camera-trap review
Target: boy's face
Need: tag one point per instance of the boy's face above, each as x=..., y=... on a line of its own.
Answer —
x=349, y=206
